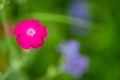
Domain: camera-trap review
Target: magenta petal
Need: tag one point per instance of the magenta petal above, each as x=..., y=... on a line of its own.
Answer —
x=37, y=42
x=25, y=24
x=26, y=45
x=31, y=22
x=19, y=28
x=23, y=41
x=41, y=31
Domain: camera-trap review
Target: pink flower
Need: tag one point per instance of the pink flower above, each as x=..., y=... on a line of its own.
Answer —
x=30, y=33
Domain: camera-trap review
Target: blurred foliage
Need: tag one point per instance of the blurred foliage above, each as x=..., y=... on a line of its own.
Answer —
x=101, y=45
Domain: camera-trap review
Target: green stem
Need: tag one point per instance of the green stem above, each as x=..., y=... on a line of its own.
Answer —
x=9, y=45
x=8, y=72
x=5, y=26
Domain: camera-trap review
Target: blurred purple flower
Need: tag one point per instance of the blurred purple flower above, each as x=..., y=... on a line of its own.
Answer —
x=80, y=10
x=71, y=46
x=75, y=63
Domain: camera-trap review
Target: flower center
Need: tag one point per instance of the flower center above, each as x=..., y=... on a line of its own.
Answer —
x=30, y=32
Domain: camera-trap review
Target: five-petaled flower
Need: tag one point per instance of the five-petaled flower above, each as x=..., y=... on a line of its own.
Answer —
x=30, y=33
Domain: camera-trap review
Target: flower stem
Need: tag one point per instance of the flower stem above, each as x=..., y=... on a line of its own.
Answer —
x=8, y=42
x=8, y=39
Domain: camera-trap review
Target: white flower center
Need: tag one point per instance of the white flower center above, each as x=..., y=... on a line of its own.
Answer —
x=30, y=32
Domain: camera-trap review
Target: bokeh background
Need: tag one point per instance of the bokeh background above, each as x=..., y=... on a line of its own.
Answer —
x=92, y=24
